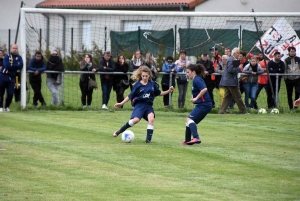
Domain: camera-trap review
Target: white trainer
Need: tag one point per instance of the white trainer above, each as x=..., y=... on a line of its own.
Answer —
x=104, y=107
x=7, y=110
x=1, y=109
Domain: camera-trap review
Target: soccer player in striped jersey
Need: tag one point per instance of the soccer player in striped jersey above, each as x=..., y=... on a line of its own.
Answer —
x=142, y=96
x=201, y=99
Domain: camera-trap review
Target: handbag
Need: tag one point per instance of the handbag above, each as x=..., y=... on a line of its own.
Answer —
x=182, y=78
x=244, y=79
x=125, y=83
x=92, y=84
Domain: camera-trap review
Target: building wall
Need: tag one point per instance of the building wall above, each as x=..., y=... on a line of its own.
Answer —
x=248, y=5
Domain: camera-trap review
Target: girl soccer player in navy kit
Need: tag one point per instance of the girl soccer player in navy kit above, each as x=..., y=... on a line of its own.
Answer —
x=203, y=102
x=142, y=96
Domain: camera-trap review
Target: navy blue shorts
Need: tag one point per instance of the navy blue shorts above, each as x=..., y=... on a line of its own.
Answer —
x=142, y=110
x=200, y=111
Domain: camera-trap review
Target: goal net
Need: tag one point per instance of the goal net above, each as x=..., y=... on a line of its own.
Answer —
x=77, y=32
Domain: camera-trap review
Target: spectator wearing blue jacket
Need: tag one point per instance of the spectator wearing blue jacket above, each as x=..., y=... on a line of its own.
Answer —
x=168, y=67
x=38, y=65
x=12, y=62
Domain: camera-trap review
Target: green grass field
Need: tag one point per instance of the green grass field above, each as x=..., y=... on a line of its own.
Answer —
x=71, y=155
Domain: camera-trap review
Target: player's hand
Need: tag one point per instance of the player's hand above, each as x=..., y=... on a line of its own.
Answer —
x=193, y=100
x=171, y=89
x=117, y=105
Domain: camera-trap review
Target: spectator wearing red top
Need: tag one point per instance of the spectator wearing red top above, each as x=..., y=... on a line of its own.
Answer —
x=263, y=79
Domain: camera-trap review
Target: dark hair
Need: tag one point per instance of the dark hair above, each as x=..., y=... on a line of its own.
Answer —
x=198, y=68
x=90, y=56
x=276, y=53
x=291, y=48
x=243, y=53
x=121, y=55
x=38, y=53
x=169, y=58
x=138, y=51
x=183, y=52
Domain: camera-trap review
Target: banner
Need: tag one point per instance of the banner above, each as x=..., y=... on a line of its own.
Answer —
x=278, y=38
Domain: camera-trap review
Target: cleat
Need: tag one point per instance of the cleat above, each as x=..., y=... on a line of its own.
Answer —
x=148, y=141
x=115, y=134
x=194, y=141
x=184, y=143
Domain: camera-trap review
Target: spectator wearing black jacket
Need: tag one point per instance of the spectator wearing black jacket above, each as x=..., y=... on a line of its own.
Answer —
x=275, y=66
x=54, y=79
x=38, y=65
x=87, y=92
x=120, y=81
x=106, y=64
x=209, y=69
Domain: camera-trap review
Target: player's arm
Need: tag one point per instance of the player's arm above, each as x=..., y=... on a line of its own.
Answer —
x=171, y=89
x=202, y=92
x=117, y=105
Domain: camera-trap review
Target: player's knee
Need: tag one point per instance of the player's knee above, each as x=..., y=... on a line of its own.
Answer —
x=189, y=121
x=134, y=121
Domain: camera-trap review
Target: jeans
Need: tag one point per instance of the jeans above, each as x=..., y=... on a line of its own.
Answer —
x=6, y=83
x=54, y=88
x=250, y=90
x=106, y=86
x=182, y=89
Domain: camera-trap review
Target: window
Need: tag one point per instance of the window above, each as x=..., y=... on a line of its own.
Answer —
x=86, y=34
x=132, y=25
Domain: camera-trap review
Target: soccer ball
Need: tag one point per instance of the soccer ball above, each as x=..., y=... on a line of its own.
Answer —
x=127, y=136
x=262, y=111
x=274, y=111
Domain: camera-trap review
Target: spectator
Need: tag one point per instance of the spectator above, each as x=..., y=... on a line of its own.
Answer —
x=142, y=96
x=11, y=63
x=229, y=80
x=121, y=82
x=292, y=66
x=220, y=69
x=243, y=62
x=182, y=80
x=168, y=67
x=106, y=64
x=275, y=66
x=86, y=92
x=38, y=65
x=54, y=79
x=210, y=84
x=253, y=69
x=136, y=61
x=227, y=52
x=262, y=79
x=150, y=62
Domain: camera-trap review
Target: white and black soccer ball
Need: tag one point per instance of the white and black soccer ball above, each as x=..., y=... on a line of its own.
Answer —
x=127, y=136
x=262, y=111
x=274, y=111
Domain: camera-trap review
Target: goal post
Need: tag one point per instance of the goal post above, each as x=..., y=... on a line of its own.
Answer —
x=76, y=31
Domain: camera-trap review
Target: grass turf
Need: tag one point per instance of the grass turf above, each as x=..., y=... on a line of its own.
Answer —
x=71, y=155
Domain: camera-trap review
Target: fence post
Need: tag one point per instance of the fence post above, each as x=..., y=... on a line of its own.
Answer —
x=139, y=40
x=170, y=94
x=276, y=91
x=72, y=42
x=40, y=40
x=175, y=41
x=62, y=89
x=105, y=38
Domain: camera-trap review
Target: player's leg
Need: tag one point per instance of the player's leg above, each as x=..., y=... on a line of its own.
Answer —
x=150, y=127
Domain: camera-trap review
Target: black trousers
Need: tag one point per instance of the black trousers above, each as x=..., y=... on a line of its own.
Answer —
x=36, y=86
x=290, y=85
x=270, y=98
x=210, y=84
x=120, y=93
x=166, y=97
x=86, y=94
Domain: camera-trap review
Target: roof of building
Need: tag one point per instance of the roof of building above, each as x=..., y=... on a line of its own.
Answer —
x=120, y=4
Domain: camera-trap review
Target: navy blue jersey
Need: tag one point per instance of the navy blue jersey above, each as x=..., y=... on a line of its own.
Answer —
x=144, y=93
x=198, y=85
